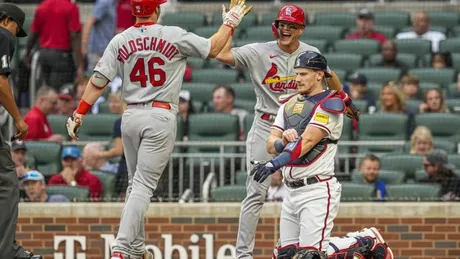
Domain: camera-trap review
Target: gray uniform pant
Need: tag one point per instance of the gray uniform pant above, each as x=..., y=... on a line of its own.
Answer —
x=148, y=136
x=256, y=192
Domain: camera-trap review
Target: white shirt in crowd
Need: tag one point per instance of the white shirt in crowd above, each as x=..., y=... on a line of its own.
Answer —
x=434, y=36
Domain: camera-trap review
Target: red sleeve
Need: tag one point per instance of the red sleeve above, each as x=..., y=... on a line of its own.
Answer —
x=35, y=128
x=56, y=180
x=382, y=38
x=74, y=23
x=35, y=26
x=95, y=187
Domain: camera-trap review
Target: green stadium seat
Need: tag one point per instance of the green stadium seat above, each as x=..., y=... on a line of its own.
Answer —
x=341, y=74
x=413, y=192
x=196, y=63
x=456, y=31
x=455, y=160
x=388, y=31
x=440, y=76
x=232, y=193
x=215, y=76
x=396, y=20
x=242, y=42
x=362, y=47
x=213, y=63
x=206, y=31
x=249, y=20
x=104, y=108
x=382, y=126
x=247, y=105
x=186, y=20
x=345, y=19
x=322, y=45
x=375, y=89
x=213, y=127
x=453, y=91
x=74, y=193
x=417, y=47
x=424, y=86
x=387, y=176
x=454, y=105
x=354, y=192
x=455, y=57
x=380, y=75
x=437, y=122
x=324, y=32
x=244, y=91
x=260, y=33
x=444, y=30
x=402, y=162
x=47, y=156
x=420, y=175
x=248, y=120
x=451, y=45
x=410, y=60
x=413, y=105
x=57, y=124
x=98, y=127
x=108, y=181
x=241, y=178
x=361, y=105
x=179, y=134
x=30, y=162
x=268, y=18
x=199, y=92
x=344, y=61
x=443, y=19
x=347, y=135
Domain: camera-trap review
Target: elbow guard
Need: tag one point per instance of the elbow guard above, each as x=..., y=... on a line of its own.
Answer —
x=294, y=148
x=98, y=80
x=278, y=145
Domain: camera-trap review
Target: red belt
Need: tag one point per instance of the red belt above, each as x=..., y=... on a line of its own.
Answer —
x=266, y=117
x=155, y=104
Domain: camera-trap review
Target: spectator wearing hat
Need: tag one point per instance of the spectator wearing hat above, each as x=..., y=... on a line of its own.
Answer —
x=359, y=90
x=365, y=27
x=439, y=171
x=185, y=110
x=35, y=187
x=66, y=103
x=18, y=154
x=74, y=174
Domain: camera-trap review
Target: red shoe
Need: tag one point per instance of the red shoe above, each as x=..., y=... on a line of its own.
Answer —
x=117, y=255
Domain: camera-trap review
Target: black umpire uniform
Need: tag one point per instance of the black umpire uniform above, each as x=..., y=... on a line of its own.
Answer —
x=9, y=185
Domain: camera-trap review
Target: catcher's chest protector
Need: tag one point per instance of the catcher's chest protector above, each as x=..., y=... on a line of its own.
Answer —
x=298, y=112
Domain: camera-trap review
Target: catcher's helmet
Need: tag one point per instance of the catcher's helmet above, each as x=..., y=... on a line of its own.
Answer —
x=289, y=13
x=145, y=8
x=312, y=60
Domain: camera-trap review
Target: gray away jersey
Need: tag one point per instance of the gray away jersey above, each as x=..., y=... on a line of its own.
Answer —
x=151, y=61
x=272, y=71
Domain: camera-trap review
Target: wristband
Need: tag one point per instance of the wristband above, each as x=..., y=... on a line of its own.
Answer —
x=231, y=27
x=83, y=107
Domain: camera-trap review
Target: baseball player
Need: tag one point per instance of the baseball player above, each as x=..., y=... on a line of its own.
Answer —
x=271, y=65
x=151, y=60
x=11, y=26
x=304, y=139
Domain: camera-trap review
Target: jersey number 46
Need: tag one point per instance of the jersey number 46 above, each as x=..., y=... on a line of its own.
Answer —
x=156, y=76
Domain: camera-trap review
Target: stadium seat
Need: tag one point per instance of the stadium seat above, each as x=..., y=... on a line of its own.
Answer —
x=322, y=45
x=455, y=57
x=47, y=156
x=413, y=105
x=453, y=91
x=215, y=76
x=417, y=47
x=413, y=192
x=375, y=89
x=242, y=42
x=249, y=20
x=424, y=86
x=199, y=92
x=98, y=127
x=440, y=76
x=268, y=18
x=387, y=176
x=443, y=19
x=241, y=178
x=196, y=63
x=244, y=91
x=186, y=20
x=212, y=127
x=410, y=60
x=108, y=181
x=361, y=105
x=74, y=193
x=248, y=120
x=388, y=31
x=247, y=105
x=441, y=29
x=455, y=160
x=179, y=134
x=362, y=47
x=345, y=19
x=380, y=75
x=448, y=146
x=57, y=124
x=341, y=74
x=354, y=192
x=454, y=105
x=213, y=63
x=260, y=33
x=347, y=135
x=396, y=20
x=402, y=162
x=382, y=126
x=232, y=193
x=420, y=175
x=437, y=122
x=456, y=31
x=206, y=31
x=450, y=45
x=344, y=61
x=324, y=32
x=30, y=161
x=104, y=108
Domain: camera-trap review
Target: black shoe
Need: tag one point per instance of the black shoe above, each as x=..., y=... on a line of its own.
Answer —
x=27, y=255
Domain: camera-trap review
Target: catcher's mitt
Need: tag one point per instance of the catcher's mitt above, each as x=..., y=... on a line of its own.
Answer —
x=309, y=254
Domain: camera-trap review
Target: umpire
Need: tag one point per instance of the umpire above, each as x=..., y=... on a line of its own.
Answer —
x=11, y=22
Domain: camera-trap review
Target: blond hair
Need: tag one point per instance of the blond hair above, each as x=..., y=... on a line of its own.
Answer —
x=398, y=95
x=420, y=132
x=444, y=107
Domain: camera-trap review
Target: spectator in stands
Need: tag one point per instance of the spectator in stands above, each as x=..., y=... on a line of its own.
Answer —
x=223, y=97
x=57, y=25
x=99, y=29
x=369, y=168
x=97, y=162
x=441, y=60
x=421, y=141
x=277, y=191
x=39, y=128
x=18, y=155
x=389, y=53
x=421, y=30
x=359, y=90
x=74, y=174
x=434, y=102
x=125, y=19
x=410, y=86
x=439, y=171
x=185, y=109
x=365, y=27
x=35, y=188
x=66, y=103
x=392, y=99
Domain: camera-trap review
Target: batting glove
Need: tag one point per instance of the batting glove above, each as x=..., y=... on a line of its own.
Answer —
x=233, y=17
x=73, y=125
x=262, y=170
x=351, y=111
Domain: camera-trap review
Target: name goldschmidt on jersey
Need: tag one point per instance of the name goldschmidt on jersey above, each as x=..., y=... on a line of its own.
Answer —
x=162, y=46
